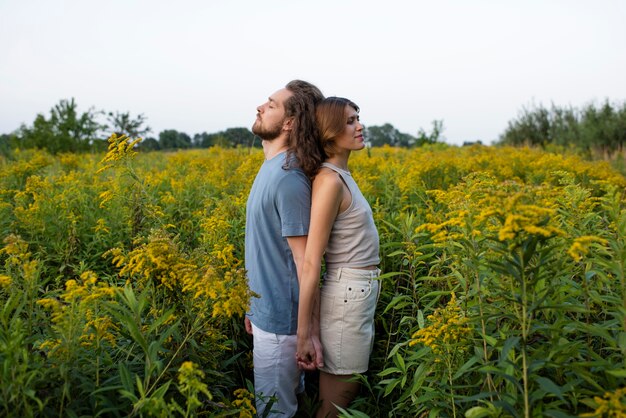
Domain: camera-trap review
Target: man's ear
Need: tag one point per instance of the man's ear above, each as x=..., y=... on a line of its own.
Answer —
x=288, y=124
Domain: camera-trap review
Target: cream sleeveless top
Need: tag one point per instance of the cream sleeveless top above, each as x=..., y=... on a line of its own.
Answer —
x=353, y=240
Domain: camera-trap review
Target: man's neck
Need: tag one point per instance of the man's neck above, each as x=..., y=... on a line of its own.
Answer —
x=274, y=147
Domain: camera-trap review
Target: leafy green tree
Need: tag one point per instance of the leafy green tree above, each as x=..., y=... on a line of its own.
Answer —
x=231, y=137
x=240, y=137
x=204, y=140
x=604, y=129
x=386, y=134
x=532, y=128
x=434, y=136
x=64, y=131
x=172, y=139
x=600, y=130
x=7, y=143
x=149, y=144
x=124, y=124
x=218, y=139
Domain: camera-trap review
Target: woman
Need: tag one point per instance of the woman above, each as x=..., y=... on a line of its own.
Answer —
x=342, y=231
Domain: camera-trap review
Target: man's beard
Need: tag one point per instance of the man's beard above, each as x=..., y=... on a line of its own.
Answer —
x=267, y=134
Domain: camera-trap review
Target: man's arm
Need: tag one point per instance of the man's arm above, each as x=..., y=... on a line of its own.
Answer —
x=248, y=325
x=297, y=246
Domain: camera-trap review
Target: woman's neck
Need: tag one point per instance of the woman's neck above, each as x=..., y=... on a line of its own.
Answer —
x=340, y=160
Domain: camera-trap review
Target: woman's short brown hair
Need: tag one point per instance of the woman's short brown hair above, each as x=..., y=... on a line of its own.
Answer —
x=330, y=115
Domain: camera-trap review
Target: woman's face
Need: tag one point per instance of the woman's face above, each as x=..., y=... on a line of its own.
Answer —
x=352, y=137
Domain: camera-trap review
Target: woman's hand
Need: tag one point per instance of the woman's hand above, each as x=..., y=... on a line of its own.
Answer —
x=305, y=353
x=309, y=353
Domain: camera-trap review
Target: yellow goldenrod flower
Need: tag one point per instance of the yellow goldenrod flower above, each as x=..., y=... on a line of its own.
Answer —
x=611, y=405
x=190, y=384
x=5, y=281
x=245, y=403
x=581, y=245
x=449, y=330
x=101, y=226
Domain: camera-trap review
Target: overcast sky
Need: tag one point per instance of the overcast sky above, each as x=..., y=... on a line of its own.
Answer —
x=204, y=66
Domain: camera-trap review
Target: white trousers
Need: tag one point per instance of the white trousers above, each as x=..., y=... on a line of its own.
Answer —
x=276, y=373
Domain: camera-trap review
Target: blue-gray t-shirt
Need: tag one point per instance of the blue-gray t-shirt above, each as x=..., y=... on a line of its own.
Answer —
x=279, y=206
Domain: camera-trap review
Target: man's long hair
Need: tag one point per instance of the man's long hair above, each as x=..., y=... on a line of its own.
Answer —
x=303, y=141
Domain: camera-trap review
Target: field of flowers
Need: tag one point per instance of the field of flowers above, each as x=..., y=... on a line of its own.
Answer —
x=122, y=285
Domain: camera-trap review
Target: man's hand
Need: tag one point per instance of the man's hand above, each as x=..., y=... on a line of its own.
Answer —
x=317, y=345
x=248, y=325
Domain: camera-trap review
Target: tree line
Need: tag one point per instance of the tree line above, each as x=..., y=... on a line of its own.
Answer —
x=596, y=130
x=68, y=130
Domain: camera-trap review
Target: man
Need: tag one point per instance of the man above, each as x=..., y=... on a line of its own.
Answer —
x=277, y=224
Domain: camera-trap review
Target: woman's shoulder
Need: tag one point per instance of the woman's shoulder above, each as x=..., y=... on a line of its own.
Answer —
x=327, y=179
x=327, y=175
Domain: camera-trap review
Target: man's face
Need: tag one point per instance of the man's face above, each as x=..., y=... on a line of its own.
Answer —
x=270, y=117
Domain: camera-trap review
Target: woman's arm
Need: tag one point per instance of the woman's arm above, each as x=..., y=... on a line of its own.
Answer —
x=326, y=199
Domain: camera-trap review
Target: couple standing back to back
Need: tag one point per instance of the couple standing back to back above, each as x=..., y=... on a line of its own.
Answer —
x=304, y=207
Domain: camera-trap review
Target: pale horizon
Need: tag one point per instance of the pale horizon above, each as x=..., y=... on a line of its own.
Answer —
x=200, y=67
